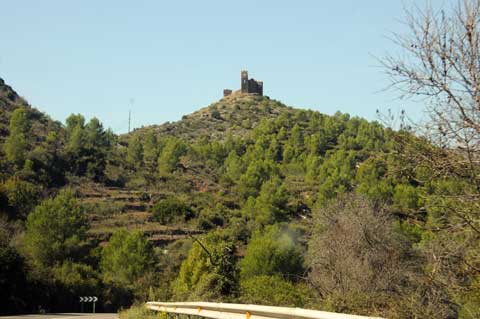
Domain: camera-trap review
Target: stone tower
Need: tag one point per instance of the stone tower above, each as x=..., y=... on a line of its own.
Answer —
x=250, y=85
x=244, y=81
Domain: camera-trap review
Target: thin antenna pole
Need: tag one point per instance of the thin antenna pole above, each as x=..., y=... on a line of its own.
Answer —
x=129, y=119
x=132, y=100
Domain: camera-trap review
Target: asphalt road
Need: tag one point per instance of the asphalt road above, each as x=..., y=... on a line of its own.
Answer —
x=66, y=316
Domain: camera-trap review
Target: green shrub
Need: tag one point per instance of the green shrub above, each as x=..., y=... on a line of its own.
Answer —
x=126, y=258
x=22, y=197
x=104, y=208
x=271, y=291
x=272, y=252
x=167, y=210
x=77, y=277
x=209, y=272
x=144, y=197
x=209, y=220
x=216, y=114
x=140, y=312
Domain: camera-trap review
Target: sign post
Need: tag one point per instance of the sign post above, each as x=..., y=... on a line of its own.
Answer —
x=81, y=304
x=93, y=299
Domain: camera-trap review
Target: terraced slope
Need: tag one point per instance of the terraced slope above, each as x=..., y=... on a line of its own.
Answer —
x=110, y=208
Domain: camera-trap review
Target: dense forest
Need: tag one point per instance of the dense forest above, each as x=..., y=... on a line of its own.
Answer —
x=251, y=201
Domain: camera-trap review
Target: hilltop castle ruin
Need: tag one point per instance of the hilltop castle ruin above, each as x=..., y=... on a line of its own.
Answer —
x=249, y=86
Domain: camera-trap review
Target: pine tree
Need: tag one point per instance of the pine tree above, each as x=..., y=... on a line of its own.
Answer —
x=135, y=151
x=55, y=230
x=150, y=151
x=16, y=144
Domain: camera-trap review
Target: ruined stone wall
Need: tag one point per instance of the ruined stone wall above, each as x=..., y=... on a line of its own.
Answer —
x=250, y=85
x=255, y=87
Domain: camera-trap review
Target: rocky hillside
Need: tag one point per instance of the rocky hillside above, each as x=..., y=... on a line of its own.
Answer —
x=233, y=115
x=41, y=124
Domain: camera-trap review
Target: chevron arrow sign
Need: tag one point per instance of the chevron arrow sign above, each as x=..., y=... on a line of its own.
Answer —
x=88, y=299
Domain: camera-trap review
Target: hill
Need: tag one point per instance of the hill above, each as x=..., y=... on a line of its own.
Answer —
x=233, y=115
x=213, y=160
x=41, y=124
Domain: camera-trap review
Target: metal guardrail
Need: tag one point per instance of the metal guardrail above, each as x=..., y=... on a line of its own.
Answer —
x=241, y=311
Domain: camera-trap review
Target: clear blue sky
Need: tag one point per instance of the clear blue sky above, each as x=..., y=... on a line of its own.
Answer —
x=173, y=57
